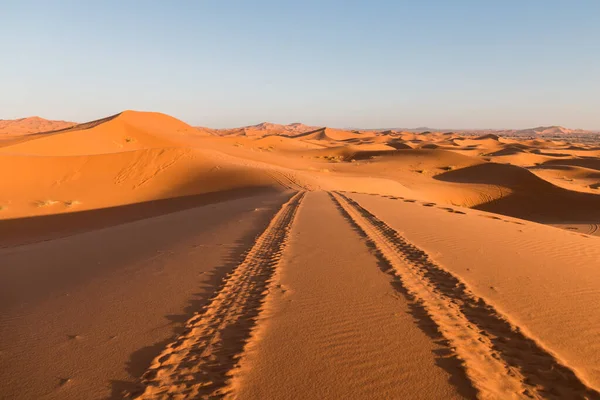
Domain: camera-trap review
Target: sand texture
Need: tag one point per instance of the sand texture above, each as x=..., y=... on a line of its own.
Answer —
x=144, y=258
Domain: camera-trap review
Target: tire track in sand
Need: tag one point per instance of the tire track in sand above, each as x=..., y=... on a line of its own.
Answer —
x=198, y=363
x=500, y=360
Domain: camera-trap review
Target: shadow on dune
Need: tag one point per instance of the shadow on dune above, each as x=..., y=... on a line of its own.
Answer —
x=527, y=196
x=360, y=155
x=19, y=231
x=398, y=145
x=139, y=361
x=66, y=264
x=544, y=153
x=81, y=127
x=407, y=154
x=430, y=146
x=506, y=175
x=586, y=162
x=553, y=167
x=507, y=151
x=488, y=136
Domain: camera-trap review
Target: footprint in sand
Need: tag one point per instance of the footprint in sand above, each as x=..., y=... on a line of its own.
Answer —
x=451, y=210
x=490, y=217
x=63, y=381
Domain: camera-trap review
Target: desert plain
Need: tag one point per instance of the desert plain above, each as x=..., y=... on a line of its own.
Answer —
x=144, y=258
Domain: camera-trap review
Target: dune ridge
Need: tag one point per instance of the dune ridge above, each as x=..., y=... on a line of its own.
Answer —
x=132, y=131
x=474, y=253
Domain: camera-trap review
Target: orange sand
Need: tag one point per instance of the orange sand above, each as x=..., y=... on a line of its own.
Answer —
x=146, y=258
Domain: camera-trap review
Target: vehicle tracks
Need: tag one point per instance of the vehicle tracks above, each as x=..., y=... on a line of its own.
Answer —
x=199, y=362
x=499, y=359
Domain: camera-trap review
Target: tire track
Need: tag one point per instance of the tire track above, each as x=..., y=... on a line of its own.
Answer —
x=278, y=177
x=198, y=363
x=500, y=360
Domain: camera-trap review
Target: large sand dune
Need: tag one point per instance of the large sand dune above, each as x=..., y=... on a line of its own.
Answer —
x=145, y=258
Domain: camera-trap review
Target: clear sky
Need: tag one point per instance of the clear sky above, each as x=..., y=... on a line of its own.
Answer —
x=369, y=64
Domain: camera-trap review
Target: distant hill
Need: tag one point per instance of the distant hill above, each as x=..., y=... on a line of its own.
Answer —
x=23, y=126
x=29, y=125
x=412, y=130
x=552, y=130
x=330, y=134
x=266, y=129
x=540, y=131
x=207, y=131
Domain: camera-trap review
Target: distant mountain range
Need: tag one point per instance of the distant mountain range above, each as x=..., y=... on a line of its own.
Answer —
x=540, y=130
x=36, y=124
x=552, y=130
x=267, y=128
x=27, y=125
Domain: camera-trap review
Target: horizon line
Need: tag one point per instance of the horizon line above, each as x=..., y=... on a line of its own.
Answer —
x=422, y=127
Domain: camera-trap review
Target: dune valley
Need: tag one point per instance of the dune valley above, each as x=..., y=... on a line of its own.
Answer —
x=145, y=258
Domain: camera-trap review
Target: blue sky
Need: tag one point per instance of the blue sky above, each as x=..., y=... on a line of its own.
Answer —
x=224, y=63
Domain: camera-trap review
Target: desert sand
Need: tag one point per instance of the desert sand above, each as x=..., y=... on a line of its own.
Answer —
x=145, y=258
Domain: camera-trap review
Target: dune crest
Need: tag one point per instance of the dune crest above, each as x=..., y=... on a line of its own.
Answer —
x=146, y=258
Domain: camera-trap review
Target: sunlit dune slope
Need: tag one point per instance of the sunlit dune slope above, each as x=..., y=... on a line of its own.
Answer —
x=142, y=156
x=128, y=158
x=569, y=176
x=330, y=134
x=43, y=185
x=129, y=130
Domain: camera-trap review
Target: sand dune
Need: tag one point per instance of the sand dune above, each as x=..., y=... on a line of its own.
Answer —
x=283, y=144
x=128, y=130
x=267, y=129
x=569, y=177
x=19, y=130
x=329, y=134
x=31, y=125
x=587, y=162
x=50, y=185
x=524, y=195
x=145, y=258
x=551, y=130
x=128, y=158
